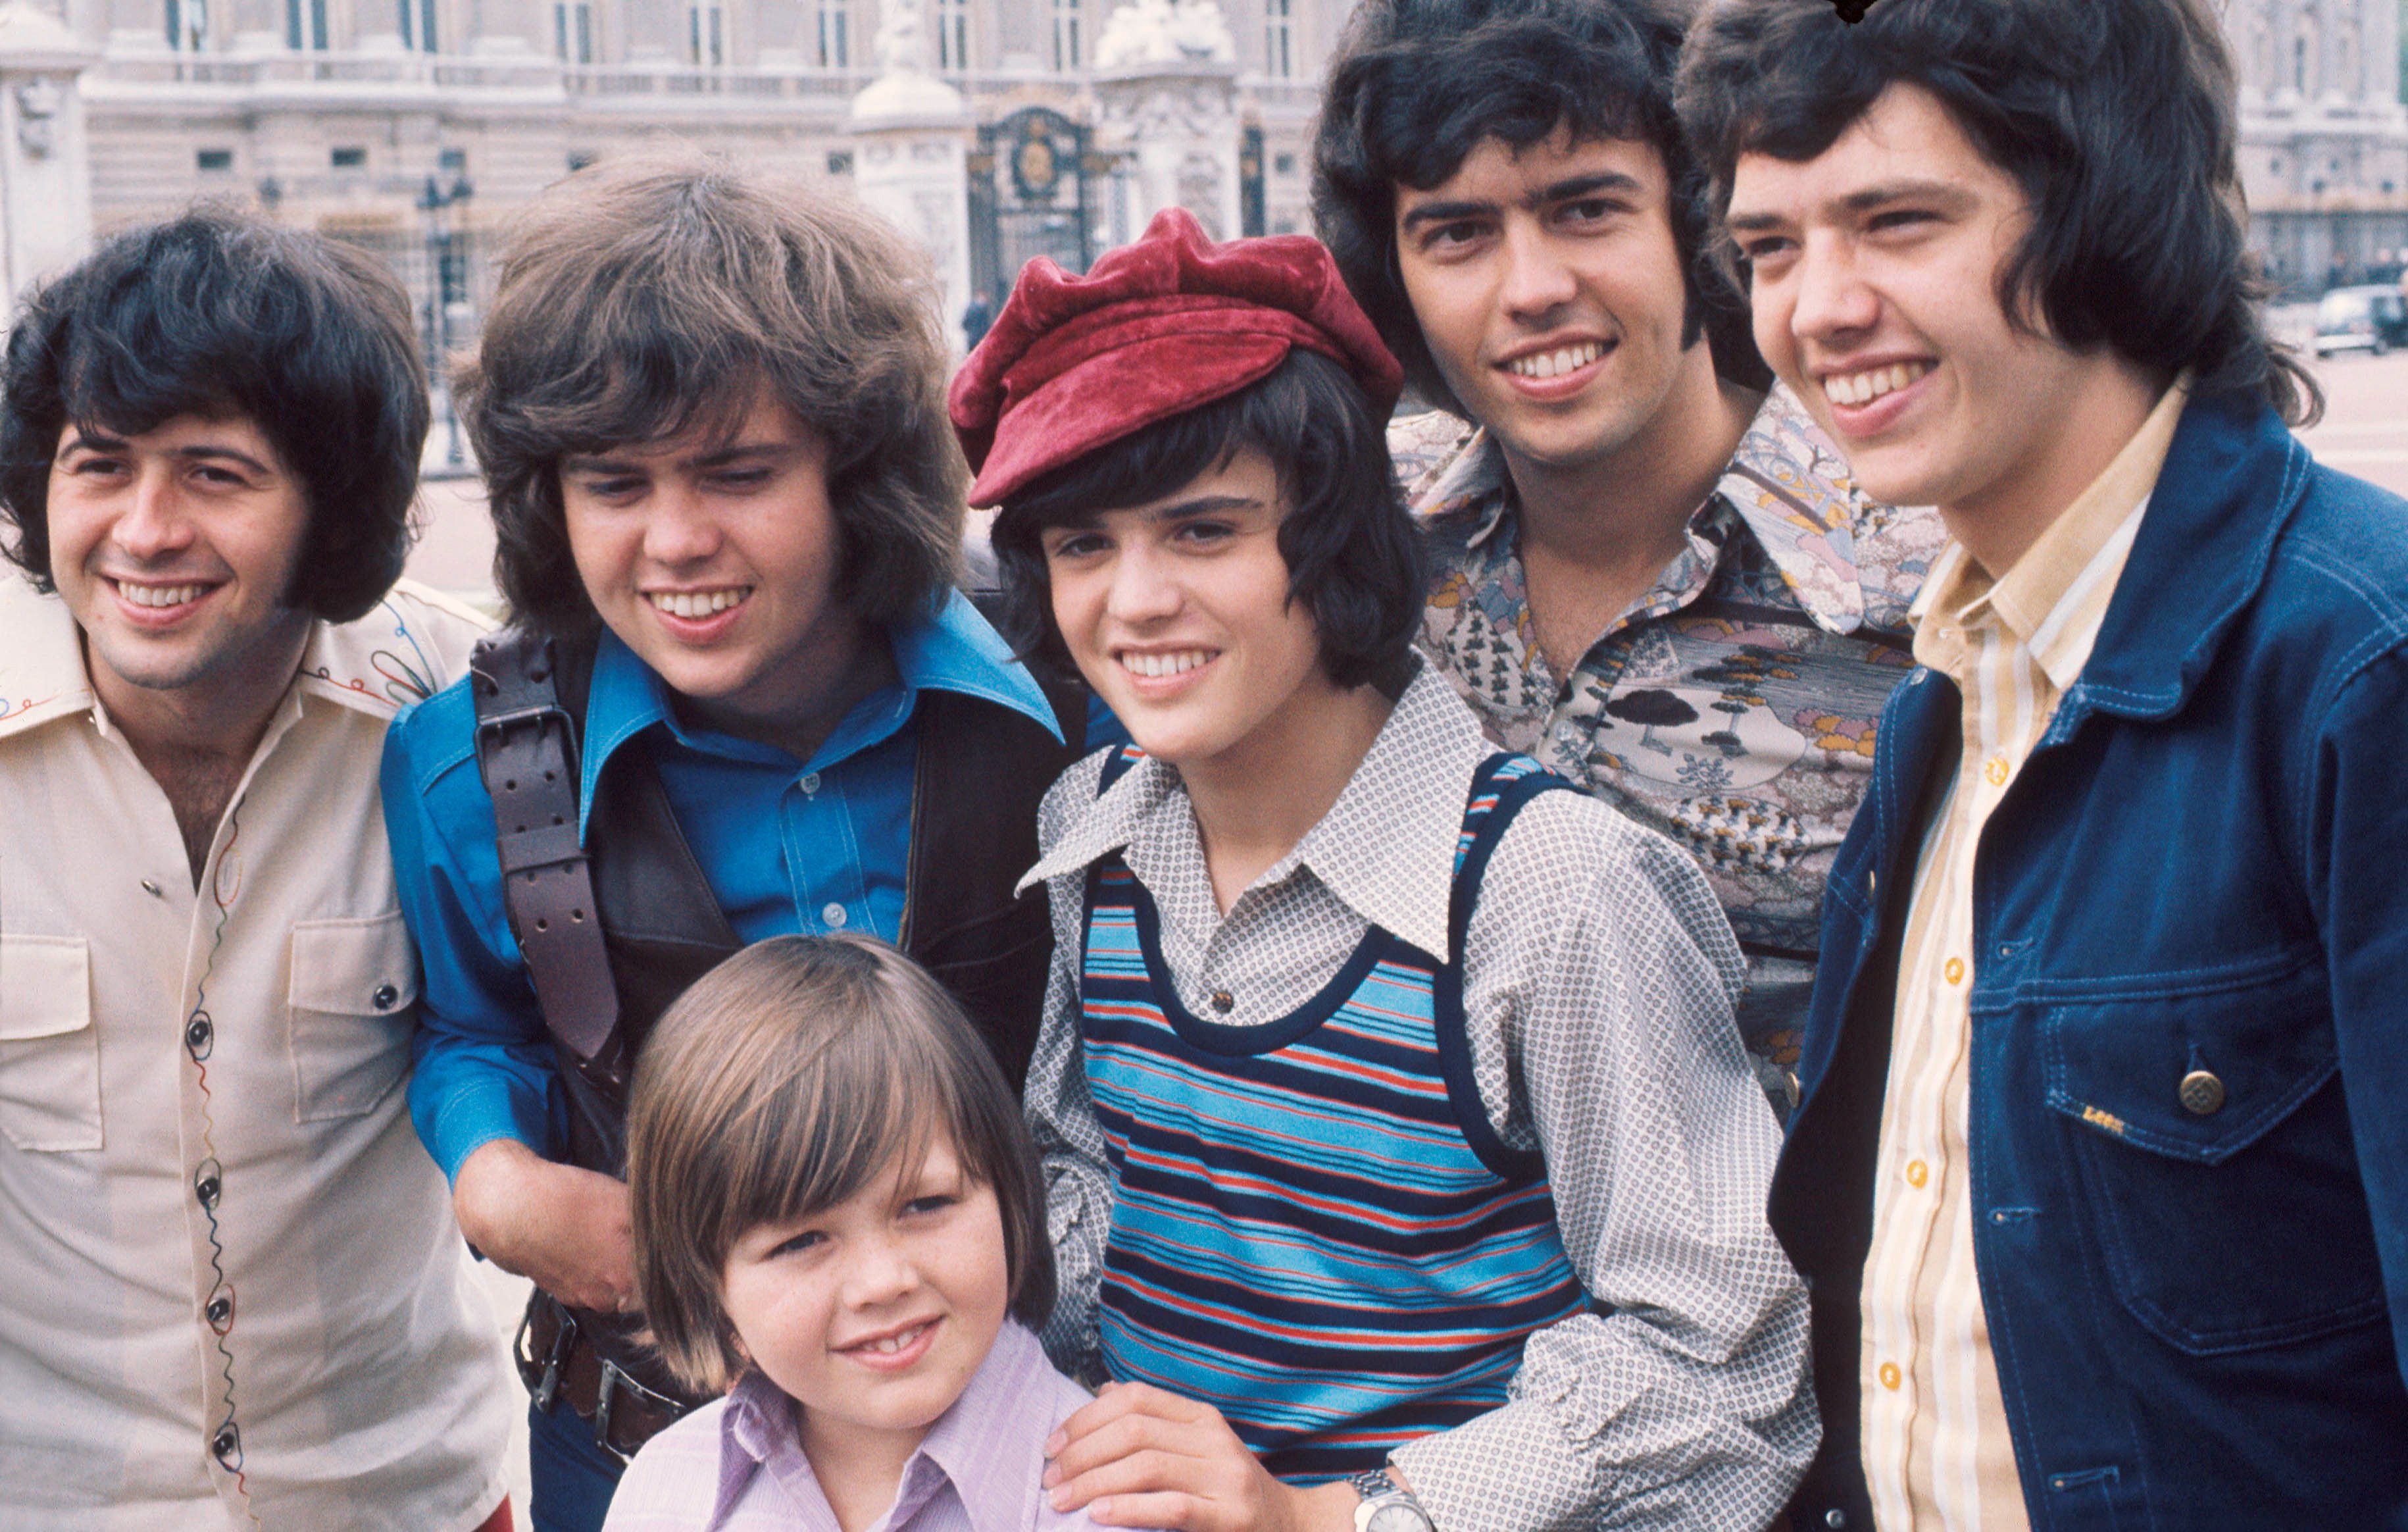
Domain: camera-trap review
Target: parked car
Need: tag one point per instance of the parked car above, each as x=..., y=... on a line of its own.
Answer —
x=2369, y=318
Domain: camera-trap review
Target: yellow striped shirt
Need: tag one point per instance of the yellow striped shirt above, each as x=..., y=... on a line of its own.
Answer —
x=1936, y=1449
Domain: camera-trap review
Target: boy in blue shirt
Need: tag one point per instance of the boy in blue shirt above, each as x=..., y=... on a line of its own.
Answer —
x=741, y=698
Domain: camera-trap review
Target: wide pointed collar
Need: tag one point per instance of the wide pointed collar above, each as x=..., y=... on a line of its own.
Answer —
x=1787, y=482
x=1370, y=849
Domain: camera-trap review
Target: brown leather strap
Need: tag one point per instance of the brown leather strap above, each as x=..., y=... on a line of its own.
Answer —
x=526, y=751
x=564, y=1358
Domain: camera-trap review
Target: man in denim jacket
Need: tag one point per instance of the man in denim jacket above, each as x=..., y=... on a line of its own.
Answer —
x=2098, y=1174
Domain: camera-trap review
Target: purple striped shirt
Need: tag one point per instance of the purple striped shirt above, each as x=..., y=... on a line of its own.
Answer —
x=737, y=1464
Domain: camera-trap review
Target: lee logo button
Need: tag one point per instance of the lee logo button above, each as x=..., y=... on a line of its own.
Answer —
x=2201, y=1094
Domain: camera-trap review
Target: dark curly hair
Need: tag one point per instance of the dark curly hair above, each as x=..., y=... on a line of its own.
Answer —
x=218, y=313
x=1354, y=556
x=643, y=297
x=1416, y=85
x=2118, y=121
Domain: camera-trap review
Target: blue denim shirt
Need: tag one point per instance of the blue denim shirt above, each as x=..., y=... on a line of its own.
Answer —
x=787, y=845
x=2196, y=1315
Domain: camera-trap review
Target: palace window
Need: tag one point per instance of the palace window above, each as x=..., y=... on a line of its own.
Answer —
x=1279, y=39
x=304, y=26
x=418, y=32
x=572, y=31
x=1067, y=53
x=952, y=33
x=836, y=34
x=705, y=36
x=188, y=26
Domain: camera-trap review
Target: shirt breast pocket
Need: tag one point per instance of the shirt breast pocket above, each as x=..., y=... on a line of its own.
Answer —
x=2213, y=1150
x=350, y=1008
x=50, y=1051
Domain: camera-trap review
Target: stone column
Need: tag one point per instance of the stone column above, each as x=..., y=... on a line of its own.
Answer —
x=45, y=159
x=910, y=134
x=1165, y=85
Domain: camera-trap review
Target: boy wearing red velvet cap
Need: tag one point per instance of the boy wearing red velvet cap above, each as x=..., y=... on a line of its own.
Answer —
x=1402, y=1158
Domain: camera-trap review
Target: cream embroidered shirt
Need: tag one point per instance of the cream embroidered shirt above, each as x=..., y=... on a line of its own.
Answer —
x=234, y=1294
x=1937, y=1454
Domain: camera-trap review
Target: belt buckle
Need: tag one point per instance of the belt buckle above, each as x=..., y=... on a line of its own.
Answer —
x=546, y=1387
x=611, y=1379
x=539, y=714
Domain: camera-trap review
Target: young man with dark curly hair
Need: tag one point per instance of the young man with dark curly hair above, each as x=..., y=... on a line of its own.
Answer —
x=741, y=698
x=1649, y=573
x=235, y=1294
x=2100, y=1177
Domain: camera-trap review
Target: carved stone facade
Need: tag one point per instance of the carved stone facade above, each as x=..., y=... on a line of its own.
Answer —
x=341, y=114
x=2324, y=151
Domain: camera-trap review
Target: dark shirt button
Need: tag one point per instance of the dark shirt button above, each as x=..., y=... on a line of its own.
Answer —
x=1222, y=1000
x=384, y=996
x=206, y=1189
x=196, y=1034
x=2201, y=1094
x=218, y=1310
x=1835, y=1518
x=227, y=1444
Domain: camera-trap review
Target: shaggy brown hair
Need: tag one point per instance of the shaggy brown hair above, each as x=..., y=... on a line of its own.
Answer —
x=642, y=298
x=786, y=1080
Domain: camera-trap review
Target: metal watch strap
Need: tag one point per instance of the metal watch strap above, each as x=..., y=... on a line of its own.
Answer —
x=1382, y=1494
x=527, y=754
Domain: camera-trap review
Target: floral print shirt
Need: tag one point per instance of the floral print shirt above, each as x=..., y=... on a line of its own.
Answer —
x=1732, y=707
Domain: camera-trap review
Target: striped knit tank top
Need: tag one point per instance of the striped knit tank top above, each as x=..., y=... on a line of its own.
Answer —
x=1314, y=1227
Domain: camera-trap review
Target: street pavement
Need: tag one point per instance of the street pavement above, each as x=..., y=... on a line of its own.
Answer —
x=2364, y=432
x=2365, y=428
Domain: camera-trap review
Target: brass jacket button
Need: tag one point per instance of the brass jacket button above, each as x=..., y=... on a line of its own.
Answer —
x=2201, y=1094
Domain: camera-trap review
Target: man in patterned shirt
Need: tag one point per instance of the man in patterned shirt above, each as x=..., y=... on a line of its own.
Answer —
x=1650, y=574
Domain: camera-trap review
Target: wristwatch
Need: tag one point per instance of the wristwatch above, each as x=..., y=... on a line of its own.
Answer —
x=1387, y=1506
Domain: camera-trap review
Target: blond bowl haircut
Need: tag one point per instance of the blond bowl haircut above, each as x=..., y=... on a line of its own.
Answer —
x=782, y=1082
x=646, y=297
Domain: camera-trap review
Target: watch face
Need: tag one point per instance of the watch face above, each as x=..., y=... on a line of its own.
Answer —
x=1402, y=1516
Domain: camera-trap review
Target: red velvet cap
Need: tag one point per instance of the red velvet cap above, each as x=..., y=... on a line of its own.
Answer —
x=1153, y=330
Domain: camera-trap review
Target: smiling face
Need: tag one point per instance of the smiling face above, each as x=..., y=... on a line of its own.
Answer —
x=873, y=1314
x=1549, y=289
x=713, y=556
x=176, y=549
x=1874, y=269
x=1178, y=614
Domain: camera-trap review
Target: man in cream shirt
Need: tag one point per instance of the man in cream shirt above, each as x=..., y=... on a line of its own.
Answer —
x=234, y=1294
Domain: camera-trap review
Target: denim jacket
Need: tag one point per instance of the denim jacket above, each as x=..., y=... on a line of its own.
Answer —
x=2195, y=1297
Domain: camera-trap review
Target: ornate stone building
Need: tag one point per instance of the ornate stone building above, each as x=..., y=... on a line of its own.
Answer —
x=415, y=127
x=2324, y=136
x=997, y=129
